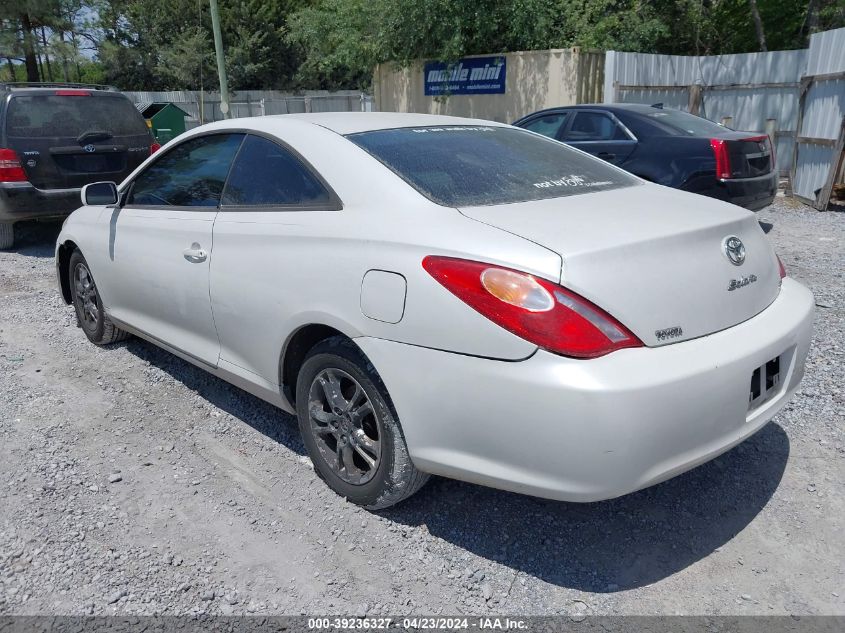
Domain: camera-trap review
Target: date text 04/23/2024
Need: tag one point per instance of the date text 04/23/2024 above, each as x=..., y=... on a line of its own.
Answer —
x=419, y=624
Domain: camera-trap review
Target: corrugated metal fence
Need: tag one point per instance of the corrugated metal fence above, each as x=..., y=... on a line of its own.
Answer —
x=204, y=107
x=817, y=160
x=797, y=97
x=752, y=91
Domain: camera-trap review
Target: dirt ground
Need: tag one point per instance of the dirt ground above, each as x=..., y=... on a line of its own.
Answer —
x=132, y=482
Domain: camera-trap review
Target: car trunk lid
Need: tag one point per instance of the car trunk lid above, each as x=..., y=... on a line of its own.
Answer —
x=652, y=257
x=743, y=155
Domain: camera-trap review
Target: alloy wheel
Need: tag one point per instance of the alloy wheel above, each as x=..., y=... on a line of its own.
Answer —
x=344, y=426
x=86, y=294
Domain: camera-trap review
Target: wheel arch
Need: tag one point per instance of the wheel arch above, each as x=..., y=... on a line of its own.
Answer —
x=63, y=253
x=296, y=348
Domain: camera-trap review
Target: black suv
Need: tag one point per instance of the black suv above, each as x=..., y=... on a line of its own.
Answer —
x=55, y=138
x=669, y=147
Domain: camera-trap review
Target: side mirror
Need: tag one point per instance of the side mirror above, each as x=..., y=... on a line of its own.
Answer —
x=99, y=193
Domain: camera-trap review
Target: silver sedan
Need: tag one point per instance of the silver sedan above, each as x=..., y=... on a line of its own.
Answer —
x=434, y=295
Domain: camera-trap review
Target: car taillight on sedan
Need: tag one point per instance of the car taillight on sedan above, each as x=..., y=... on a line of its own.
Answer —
x=10, y=166
x=781, y=268
x=154, y=147
x=723, y=158
x=541, y=312
x=722, y=154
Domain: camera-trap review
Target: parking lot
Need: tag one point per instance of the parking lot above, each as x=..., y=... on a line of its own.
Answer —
x=133, y=482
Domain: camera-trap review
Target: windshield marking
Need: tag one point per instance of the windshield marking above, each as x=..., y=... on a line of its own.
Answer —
x=456, y=128
x=572, y=181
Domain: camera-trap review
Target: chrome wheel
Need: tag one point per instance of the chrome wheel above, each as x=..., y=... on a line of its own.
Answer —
x=86, y=296
x=344, y=426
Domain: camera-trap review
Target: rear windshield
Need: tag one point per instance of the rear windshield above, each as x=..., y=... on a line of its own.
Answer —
x=679, y=123
x=39, y=116
x=459, y=166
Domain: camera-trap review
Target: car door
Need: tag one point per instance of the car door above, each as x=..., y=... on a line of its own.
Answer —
x=271, y=227
x=600, y=134
x=160, y=246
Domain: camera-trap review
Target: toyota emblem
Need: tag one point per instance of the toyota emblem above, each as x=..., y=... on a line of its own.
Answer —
x=89, y=148
x=735, y=250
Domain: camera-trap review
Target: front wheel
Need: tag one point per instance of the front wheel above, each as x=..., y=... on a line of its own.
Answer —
x=90, y=314
x=350, y=429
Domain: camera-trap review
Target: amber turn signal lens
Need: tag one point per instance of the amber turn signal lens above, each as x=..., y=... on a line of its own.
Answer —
x=517, y=289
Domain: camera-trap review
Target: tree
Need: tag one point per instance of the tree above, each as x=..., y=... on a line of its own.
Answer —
x=39, y=34
x=258, y=55
x=283, y=44
x=28, y=44
x=758, y=24
x=137, y=36
x=342, y=40
x=167, y=44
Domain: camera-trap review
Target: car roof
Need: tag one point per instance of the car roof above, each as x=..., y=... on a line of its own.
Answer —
x=349, y=122
x=641, y=108
x=23, y=89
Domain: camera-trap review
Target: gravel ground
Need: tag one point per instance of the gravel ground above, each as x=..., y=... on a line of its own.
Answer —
x=134, y=483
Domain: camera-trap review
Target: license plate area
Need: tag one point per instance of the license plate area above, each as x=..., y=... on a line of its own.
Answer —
x=765, y=383
x=91, y=163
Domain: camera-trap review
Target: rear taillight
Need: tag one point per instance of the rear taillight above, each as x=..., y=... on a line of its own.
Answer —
x=72, y=93
x=539, y=311
x=781, y=268
x=723, y=158
x=10, y=167
x=154, y=148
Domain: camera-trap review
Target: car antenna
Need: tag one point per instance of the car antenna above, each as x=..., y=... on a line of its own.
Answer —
x=659, y=106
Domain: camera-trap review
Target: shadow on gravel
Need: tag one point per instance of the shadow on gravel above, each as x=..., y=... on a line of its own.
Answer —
x=608, y=546
x=36, y=239
x=260, y=415
x=612, y=545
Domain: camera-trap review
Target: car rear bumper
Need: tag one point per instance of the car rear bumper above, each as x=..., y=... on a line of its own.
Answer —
x=23, y=201
x=751, y=193
x=586, y=430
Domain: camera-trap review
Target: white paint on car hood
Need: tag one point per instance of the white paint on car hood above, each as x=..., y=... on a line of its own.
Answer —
x=651, y=256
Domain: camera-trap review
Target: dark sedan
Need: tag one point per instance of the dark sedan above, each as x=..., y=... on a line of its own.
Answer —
x=669, y=147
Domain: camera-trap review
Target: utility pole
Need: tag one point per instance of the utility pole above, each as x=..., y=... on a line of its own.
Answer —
x=221, y=64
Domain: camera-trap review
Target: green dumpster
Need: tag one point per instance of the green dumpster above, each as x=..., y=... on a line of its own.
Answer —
x=165, y=120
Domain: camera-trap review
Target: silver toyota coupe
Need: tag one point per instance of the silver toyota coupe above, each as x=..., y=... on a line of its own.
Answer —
x=435, y=295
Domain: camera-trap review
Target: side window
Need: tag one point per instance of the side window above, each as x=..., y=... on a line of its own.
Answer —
x=265, y=173
x=548, y=125
x=191, y=174
x=594, y=126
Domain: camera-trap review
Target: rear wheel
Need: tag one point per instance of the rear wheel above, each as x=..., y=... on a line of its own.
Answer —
x=7, y=235
x=89, y=308
x=350, y=429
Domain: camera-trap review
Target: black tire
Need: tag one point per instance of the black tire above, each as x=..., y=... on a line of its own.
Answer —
x=90, y=314
x=7, y=235
x=394, y=476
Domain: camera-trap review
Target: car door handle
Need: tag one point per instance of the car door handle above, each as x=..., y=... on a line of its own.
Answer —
x=195, y=254
x=606, y=155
